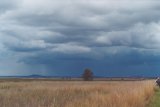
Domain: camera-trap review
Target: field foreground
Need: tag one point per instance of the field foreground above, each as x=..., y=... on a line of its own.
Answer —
x=76, y=94
x=155, y=101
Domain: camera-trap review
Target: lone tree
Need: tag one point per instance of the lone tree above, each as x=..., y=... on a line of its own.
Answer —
x=87, y=75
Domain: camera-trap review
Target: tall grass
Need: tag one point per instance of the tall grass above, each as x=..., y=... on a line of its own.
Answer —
x=75, y=94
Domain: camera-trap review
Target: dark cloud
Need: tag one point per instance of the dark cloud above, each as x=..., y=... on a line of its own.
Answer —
x=7, y=5
x=66, y=37
x=131, y=62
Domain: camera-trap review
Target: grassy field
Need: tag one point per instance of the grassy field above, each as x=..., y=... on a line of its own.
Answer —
x=155, y=102
x=76, y=93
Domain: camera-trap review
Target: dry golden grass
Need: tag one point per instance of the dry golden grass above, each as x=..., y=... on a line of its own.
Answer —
x=75, y=94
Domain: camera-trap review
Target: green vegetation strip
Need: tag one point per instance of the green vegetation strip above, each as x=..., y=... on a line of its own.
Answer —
x=155, y=102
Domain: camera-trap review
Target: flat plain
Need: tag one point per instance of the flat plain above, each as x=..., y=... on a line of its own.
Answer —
x=76, y=93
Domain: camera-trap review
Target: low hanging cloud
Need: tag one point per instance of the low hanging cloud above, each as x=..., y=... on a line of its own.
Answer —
x=46, y=32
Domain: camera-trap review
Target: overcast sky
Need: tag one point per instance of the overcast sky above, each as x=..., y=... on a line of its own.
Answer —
x=55, y=37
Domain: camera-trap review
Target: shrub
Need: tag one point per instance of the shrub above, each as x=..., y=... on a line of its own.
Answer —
x=87, y=75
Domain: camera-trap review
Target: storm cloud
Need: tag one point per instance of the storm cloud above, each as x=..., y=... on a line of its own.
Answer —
x=52, y=37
